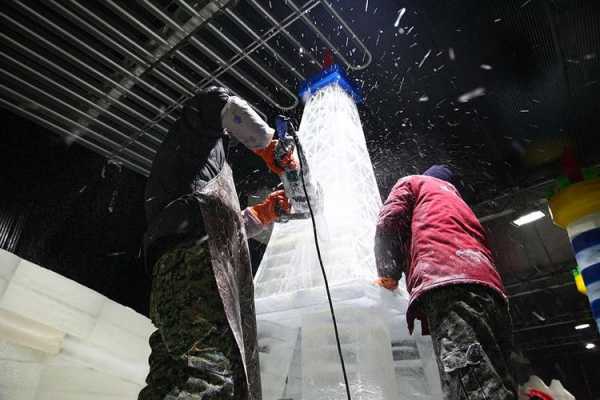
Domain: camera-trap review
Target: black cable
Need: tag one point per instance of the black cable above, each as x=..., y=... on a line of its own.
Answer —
x=314, y=225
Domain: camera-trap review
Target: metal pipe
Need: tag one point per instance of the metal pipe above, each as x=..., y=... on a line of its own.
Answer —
x=17, y=232
x=316, y=31
x=95, y=53
x=72, y=58
x=156, y=62
x=108, y=27
x=551, y=325
x=164, y=17
x=240, y=22
x=290, y=19
x=212, y=54
x=550, y=346
x=108, y=99
x=59, y=115
x=559, y=269
x=66, y=105
x=151, y=57
x=188, y=8
x=354, y=38
x=65, y=132
x=533, y=291
x=181, y=101
x=115, y=45
x=288, y=35
x=5, y=225
x=280, y=27
x=256, y=65
x=234, y=71
x=80, y=99
x=135, y=22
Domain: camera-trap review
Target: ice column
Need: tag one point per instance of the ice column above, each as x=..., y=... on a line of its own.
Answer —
x=289, y=288
x=334, y=144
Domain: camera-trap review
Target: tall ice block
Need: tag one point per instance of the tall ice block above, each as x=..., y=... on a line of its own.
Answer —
x=289, y=287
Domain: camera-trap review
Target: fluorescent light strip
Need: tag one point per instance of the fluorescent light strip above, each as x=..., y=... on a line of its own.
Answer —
x=528, y=218
x=581, y=326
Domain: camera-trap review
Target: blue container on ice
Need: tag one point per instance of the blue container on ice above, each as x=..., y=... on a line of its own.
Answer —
x=332, y=75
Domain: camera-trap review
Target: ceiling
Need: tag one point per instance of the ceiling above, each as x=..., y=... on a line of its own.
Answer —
x=114, y=75
x=493, y=88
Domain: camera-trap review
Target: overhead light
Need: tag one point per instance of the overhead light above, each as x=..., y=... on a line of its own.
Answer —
x=581, y=326
x=538, y=316
x=590, y=346
x=528, y=218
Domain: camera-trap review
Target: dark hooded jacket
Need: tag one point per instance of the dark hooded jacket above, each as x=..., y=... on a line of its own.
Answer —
x=192, y=153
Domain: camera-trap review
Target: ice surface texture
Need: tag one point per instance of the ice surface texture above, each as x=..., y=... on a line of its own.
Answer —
x=382, y=360
x=59, y=339
x=333, y=141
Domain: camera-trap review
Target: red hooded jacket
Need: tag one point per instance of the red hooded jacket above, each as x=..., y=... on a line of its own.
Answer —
x=426, y=231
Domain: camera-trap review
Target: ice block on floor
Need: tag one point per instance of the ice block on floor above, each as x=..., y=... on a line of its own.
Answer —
x=367, y=353
x=64, y=341
x=276, y=345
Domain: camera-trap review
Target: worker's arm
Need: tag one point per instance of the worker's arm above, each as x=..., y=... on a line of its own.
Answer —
x=262, y=215
x=392, y=237
x=242, y=122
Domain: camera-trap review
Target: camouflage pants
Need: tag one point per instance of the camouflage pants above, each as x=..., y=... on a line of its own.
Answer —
x=194, y=354
x=471, y=331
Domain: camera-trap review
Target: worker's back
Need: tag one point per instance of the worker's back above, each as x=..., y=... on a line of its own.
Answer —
x=192, y=153
x=445, y=243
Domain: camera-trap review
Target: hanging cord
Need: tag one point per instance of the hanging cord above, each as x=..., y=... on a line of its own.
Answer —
x=314, y=226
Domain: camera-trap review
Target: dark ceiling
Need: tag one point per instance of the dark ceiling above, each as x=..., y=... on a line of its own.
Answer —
x=537, y=61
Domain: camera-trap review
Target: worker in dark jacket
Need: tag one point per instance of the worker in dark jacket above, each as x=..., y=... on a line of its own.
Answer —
x=202, y=295
x=428, y=233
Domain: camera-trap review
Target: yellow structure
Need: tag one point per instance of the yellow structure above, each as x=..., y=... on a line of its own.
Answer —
x=575, y=202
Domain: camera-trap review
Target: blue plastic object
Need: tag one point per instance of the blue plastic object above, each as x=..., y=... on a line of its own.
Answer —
x=280, y=127
x=329, y=76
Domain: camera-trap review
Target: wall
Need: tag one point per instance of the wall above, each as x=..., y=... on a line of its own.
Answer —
x=81, y=216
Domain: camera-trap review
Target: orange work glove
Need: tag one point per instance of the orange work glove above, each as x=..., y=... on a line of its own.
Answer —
x=268, y=155
x=274, y=205
x=387, y=283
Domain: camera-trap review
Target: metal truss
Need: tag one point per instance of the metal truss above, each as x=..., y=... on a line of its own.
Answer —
x=113, y=75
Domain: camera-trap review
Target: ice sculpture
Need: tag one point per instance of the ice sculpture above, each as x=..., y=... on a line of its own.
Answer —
x=298, y=354
x=61, y=340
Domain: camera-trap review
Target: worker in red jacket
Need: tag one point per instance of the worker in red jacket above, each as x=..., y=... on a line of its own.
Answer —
x=428, y=233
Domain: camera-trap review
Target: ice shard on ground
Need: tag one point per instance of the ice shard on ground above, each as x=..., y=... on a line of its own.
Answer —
x=382, y=360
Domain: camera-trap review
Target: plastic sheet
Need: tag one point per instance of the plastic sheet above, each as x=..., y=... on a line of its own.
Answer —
x=230, y=260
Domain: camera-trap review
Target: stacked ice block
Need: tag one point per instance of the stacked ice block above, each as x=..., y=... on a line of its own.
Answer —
x=382, y=360
x=61, y=340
